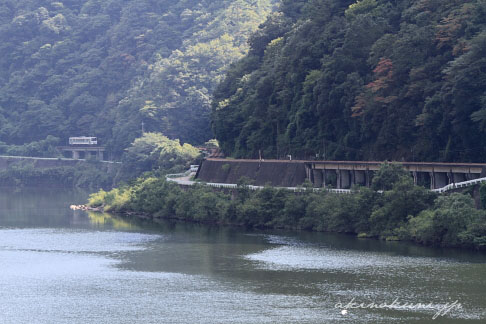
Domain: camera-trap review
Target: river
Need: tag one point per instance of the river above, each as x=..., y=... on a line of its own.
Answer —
x=64, y=266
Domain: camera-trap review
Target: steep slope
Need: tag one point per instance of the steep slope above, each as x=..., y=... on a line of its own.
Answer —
x=101, y=67
x=369, y=79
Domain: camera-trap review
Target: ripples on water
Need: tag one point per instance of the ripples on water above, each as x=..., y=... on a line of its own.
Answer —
x=298, y=256
x=376, y=277
x=72, y=276
x=57, y=266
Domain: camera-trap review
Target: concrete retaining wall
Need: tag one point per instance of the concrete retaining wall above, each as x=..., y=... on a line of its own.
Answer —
x=276, y=173
x=46, y=163
x=38, y=163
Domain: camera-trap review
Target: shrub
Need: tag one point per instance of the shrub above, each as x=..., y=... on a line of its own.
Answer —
x=453, y=222
x=482, y=195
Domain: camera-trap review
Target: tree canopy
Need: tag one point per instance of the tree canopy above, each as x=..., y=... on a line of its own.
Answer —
x=368, y=79
x=102, y=67
x=156, y=152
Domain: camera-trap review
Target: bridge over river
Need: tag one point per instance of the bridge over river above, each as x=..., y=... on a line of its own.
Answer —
x=348, y=173
x=340, y=175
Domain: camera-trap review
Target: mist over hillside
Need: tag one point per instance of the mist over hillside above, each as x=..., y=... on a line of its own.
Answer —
x=102, y=67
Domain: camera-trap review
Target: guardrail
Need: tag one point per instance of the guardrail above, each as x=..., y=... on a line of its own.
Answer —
x=457, y=185
x=176, y=175
x=173, y=178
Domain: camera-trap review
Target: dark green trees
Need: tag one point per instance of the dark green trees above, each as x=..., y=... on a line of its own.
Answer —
x=401, y=212
x=370, y=79
x=453, y=221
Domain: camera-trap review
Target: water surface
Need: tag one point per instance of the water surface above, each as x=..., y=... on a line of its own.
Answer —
x=63, y=266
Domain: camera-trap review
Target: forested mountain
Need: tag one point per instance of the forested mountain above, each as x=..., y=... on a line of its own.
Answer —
x=101, y=67
x=369, y=79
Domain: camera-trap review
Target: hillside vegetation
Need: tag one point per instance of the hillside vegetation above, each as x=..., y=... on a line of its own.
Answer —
x=101, y=67
x=402, y=212
x=368, y=79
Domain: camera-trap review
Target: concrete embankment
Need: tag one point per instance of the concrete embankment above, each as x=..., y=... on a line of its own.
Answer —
x=18, y=171
x=274, y=172
x=44, y=163
x=38, y=163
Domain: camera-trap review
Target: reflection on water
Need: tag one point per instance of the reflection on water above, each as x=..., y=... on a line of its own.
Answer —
x=106, y=220
x=63, y=266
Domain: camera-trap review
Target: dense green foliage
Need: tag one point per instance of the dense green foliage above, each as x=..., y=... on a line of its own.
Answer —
x=482, y=195
x=42, y=148
x=401, y=212
x=155, y=152
x=453, y=221
x=101, y=67
x=369, y=79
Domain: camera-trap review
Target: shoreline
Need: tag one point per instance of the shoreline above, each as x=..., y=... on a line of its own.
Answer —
x=86, y=208
x=151, y=217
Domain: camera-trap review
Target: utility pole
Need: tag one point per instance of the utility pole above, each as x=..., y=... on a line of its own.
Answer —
x=143, y=129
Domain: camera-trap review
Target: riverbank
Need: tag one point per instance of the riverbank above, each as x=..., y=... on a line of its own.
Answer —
x=60, y=264
x=402, y=212
x=86, y=208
